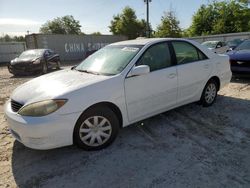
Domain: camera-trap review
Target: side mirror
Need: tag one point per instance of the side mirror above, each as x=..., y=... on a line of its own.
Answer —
x=72, y=68
x=139, y=70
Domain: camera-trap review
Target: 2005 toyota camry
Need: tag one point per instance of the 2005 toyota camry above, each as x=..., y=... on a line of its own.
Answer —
x=118, y=85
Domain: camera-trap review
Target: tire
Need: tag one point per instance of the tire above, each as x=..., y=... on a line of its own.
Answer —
x=96, y=129
x=58, y=65
x=44, y=68
x=209, y=93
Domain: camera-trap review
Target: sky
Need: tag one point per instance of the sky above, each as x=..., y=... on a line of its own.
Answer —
x=19, y=16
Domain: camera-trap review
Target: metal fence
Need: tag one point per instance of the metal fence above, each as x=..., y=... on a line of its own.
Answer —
x=10, y=50
x=222, y=37
x=71, y=47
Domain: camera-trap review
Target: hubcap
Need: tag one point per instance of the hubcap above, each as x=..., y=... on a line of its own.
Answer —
x=95, y=131
x=210, y=93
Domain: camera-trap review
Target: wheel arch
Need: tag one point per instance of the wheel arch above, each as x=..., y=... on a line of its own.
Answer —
x=110, y=105
x=217, y=80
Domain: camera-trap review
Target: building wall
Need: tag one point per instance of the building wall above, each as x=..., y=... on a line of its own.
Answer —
x=222, y=37
x=10, y=50
x=71, y=47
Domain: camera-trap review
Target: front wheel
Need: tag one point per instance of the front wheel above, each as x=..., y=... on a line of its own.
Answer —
x=58, y=65
x=44, y=68
x=96, y=129
x=209, y=93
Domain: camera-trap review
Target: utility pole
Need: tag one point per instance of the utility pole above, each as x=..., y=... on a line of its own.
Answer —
x=148, y=27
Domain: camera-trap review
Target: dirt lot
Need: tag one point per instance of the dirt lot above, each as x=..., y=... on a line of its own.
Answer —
x=187, y=147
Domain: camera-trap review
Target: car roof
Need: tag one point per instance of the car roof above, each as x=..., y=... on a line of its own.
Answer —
x=145, y=41
x=151, y=41
x=212, y=41
x=38, y=49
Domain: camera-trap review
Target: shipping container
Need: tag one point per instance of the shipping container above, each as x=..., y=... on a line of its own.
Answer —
x=71, y=47
x=10, y=50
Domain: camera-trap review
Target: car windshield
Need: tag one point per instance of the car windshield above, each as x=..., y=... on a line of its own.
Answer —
x=244, y=46
x=110, y=60
x=210, y=44
x=31, y=54
x=235, y=42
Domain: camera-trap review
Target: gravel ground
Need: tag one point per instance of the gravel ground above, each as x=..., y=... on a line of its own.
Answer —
x=190, y=146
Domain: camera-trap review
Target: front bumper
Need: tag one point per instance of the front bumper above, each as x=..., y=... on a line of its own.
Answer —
x=240, y=69
x=52, y=131
x=24, y=69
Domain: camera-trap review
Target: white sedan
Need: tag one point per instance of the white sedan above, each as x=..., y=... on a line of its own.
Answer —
x=216, y=46
x=120, y=84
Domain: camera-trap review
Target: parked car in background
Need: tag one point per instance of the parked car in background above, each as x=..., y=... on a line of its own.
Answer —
x=240, y=58
x=234, y=43
x=34, y=61
x=218, y=47
x=120, y=84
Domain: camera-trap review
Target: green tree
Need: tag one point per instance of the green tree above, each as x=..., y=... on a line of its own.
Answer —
x=62, y=25
x=18, y=39
x=203, y=21
x=221, y=17
x=143, y=28
x=96, y=33
x=169, y=26
x=7, y=38
x=127, y=24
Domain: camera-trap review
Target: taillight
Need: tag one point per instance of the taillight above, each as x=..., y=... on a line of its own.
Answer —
x=233, y=62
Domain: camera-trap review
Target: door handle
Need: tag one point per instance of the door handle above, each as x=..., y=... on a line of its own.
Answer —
x=172, y=75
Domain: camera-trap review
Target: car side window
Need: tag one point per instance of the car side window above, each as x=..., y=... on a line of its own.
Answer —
x=46, y=53
x=201, y=55
x=156, y=57
x=186, y=53
x=219, y=45
x=51, y=52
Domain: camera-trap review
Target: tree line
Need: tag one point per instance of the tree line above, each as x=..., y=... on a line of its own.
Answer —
x=8, y=38
x=217, y=17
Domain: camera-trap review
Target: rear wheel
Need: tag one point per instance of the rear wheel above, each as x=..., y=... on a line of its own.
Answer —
x=209, y=93
x=96, y=128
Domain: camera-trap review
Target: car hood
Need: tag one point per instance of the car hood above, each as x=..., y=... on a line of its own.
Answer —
x=22, y=60
x=240, y=55
x=54, y=85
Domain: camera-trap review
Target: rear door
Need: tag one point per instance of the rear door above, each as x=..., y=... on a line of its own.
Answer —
x=193, y=69
x=150, y=93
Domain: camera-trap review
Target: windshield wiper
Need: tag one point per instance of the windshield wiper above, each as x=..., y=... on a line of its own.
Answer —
x=89, y=72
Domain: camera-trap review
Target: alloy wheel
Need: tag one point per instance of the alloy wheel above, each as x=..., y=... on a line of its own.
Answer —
x=210, y=93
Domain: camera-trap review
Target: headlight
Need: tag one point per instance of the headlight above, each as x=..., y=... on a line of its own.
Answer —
x=37, y=61
x=41, y=108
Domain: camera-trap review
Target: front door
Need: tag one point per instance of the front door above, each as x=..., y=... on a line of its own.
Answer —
x=153, y=92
